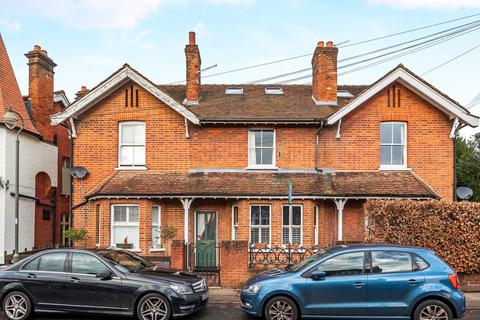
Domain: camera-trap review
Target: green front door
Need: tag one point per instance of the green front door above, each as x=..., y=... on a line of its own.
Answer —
x=206, y=238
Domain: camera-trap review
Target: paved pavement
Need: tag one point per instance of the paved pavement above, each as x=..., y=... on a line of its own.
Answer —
x=214, y=311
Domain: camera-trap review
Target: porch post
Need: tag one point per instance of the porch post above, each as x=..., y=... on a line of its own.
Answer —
x=340, y=203
x=186, y=202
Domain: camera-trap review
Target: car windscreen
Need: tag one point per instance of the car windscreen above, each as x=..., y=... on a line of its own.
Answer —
x=309, y=261
x=127, y=260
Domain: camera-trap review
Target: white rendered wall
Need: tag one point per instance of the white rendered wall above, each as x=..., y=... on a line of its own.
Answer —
x=35, y=156
x=2, y=193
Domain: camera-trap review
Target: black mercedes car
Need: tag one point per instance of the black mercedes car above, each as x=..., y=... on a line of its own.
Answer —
x=112, y=281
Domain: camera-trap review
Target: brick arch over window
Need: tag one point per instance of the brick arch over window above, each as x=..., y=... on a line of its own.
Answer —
x=43, y=186
x=44, y=211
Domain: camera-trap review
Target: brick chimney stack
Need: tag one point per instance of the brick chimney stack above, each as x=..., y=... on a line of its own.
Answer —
x=40, y=90
x=192, y=88
x=80, y=93
x=324, y=74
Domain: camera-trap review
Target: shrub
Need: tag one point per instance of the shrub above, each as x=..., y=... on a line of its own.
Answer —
x=451, y=229
x=75, y=235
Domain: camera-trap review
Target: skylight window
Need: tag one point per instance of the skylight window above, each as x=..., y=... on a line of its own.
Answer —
x=344, y=94
x=234, y=91
x=274, y=91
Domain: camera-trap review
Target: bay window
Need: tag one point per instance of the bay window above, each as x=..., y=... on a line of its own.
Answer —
x=131, y=144
x=260, y=224
x=125, y=226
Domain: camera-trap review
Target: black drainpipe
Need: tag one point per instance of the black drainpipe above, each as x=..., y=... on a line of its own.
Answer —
x=317, y=167
x=70, y=210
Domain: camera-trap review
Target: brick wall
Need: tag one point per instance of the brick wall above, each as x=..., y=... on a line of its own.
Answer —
x=234, y=263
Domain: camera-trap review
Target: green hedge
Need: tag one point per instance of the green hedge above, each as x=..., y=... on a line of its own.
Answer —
x=451, y=229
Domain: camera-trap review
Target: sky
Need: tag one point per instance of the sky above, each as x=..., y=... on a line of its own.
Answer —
x=90, y=39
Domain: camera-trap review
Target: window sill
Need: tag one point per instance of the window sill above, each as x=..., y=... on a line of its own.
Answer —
x=157, y=250
x=261, y=167
x=134, y=250
x=394, y=168
x=131, y=168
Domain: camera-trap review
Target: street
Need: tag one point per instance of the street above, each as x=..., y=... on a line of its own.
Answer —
x=212, y=312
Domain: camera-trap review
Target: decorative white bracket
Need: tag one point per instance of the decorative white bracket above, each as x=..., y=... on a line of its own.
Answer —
x=339, y=126
x=456, y=123
x=340, y=203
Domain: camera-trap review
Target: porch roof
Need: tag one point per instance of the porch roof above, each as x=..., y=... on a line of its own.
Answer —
x=339, y=184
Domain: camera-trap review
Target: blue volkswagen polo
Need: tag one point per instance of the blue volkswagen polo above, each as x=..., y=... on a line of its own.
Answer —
x=359, y=281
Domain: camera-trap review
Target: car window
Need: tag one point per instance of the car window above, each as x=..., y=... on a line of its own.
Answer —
x=127, y=260
x=54, y=262
x=391, y=262
x=32, y=265
x=343, y=265
x=87, y=264
x=419, y=263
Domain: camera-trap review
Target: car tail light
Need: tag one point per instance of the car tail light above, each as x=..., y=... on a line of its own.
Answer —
x=454, y=279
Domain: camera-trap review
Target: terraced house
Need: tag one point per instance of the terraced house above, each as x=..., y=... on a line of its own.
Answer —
x=215, y=161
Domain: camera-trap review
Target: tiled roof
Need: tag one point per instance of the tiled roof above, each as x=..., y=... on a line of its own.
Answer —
x=9, y=91
x=254, y=105
x=402, y=184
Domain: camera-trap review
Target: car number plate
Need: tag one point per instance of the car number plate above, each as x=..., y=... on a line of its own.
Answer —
x=204, y=296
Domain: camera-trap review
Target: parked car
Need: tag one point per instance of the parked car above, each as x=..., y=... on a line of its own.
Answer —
x=112, y=281
x=359, y=281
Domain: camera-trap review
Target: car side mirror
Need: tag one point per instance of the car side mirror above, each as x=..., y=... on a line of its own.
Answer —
x=106, y=275
x=318, y=275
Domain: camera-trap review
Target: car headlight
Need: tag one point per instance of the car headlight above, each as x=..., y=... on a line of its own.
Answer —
x=252, y=289
x=181, y=289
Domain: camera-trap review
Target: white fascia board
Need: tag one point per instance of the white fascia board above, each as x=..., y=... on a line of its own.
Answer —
x=61, y=98
x=415, y=85
x=122, y=77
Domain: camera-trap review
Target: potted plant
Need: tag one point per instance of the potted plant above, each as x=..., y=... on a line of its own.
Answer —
x=125, y=244
x=168, y=233
x=76, y=235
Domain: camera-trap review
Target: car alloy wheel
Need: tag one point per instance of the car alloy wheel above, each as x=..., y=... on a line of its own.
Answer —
x=16, y=306
x=281, y=308
x=433, y=312
x=154, y=307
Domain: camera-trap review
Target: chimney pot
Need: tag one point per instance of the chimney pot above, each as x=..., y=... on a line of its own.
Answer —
x=37, y=47
x=44, y=52
x=191, y=38
x=320, y=44
x=329, y=44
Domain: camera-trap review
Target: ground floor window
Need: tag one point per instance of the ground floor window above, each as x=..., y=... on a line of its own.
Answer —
x=234, y=223
x=292, y=224
x=156, y=224
x=260, y=224
x=125, y=226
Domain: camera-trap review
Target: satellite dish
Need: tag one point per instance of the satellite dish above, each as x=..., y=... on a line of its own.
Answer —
x=464, y=193
x=78, y=172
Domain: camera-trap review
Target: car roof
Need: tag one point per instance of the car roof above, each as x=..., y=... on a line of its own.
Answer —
x=377, y=246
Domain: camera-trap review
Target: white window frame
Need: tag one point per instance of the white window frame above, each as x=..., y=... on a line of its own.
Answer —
x=157, y=244
x=290, y=226
x=120, y=129
x=124, y=224
x=395, y=166
x=250, y=147
x=235, y=226
x=316, y=224
x=260, y=226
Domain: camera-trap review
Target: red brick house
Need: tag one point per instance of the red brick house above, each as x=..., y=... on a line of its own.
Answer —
x=44, y=197
x=215, y=161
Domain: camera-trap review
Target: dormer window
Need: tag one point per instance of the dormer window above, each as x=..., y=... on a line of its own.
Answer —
x=234, y=91
x=273, y=91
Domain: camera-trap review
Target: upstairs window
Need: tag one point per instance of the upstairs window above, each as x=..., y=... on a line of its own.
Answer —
x=131, y=144
x=261, y=148
x=393, y=138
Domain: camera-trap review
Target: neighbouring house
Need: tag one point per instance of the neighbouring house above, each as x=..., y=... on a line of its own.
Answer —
x=215, y=161
x=44, y=157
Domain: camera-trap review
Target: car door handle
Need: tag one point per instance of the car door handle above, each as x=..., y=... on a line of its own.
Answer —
x=74, y=280
x=413, y=282
x=31, y=276
x=359, y=284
